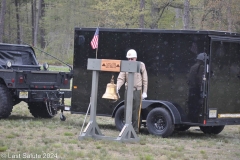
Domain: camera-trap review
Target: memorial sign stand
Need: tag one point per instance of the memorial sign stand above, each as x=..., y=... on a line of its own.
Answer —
x=92, y=129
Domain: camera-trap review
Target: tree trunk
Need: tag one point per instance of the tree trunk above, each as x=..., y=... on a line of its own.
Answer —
x=33, y=18
x=229, y=15
x=18, y=25
x=2, y=18
x=141, y=18
x=186, y=16
x=42, y=31
x=36, y=26
x=178, y=16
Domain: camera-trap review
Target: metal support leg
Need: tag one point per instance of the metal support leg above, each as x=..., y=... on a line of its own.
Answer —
x=128, y=133
x=92, y=129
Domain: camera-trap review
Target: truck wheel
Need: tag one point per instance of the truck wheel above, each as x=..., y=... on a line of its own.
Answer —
x=159, y=122
x=119, y=118
x=211, y=129
x=6, y=102
x=39, y=110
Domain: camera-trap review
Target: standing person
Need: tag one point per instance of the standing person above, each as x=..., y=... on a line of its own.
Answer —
x=139, y=90
x=195, y=88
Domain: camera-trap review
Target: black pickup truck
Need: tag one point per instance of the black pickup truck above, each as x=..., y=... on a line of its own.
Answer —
x=23, y=79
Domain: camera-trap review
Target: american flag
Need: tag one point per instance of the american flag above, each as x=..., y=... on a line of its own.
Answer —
x=94, y=42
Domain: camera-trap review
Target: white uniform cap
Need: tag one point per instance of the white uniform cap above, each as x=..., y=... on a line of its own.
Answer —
x=131, y=54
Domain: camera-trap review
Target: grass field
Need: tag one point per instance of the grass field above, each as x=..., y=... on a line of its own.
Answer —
x=25, y=137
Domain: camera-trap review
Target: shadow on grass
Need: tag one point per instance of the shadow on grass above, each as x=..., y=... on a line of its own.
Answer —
x=107, y=126
x=24, y=117
x=19, y=117
x=192, y=133
x=189, y=134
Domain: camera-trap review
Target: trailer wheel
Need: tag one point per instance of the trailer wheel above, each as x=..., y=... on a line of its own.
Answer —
x=6, y=102
x=119, y=118
x=39, y=110
x=211, y=129
x=159, y=122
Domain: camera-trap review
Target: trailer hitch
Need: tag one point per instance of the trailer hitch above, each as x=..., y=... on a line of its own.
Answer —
x=62, y=117
x=53, y=103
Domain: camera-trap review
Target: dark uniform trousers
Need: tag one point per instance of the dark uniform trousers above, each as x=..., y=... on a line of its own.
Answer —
x=136, y=108
x=194, y=103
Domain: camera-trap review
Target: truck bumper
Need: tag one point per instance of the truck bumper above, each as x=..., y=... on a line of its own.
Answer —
x=39, y=95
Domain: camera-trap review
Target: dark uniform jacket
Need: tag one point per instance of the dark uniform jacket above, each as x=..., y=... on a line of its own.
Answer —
x=196, y=75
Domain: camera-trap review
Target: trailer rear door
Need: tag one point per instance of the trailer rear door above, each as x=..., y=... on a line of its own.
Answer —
x=224, y=77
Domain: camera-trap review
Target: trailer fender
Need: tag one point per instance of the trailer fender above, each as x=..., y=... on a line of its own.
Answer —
x=150, y=104
x=116, y=108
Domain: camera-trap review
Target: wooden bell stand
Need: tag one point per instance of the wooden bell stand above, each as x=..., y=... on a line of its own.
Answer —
x=92, y=130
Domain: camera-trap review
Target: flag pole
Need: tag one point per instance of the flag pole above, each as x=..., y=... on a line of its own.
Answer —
x=96, y=52
x=98, y=40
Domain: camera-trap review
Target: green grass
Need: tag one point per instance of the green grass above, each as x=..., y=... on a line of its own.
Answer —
x=23, y=134
x=3, y=148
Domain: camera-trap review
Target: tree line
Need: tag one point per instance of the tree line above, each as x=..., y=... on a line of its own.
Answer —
x=49, y=24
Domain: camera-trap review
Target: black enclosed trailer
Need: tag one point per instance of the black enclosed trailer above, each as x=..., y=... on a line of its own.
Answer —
x=168, y=56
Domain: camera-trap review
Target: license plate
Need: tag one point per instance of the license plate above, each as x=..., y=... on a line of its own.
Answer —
x=23, y=94
x=212, y=113
x=67, y=108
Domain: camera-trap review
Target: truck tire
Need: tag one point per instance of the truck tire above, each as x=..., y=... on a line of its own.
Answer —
x=119, y=118
x=39, y=110
x=159, y=122
x=6, y=102
x=211, y=129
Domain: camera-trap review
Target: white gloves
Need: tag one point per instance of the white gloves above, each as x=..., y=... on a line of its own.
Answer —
x=144, y=95
x=117, y=90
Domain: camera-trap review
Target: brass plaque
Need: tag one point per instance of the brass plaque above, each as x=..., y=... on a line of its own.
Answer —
x=110, y=65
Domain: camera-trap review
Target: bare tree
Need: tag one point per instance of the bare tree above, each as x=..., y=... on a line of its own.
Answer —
x=18, y=25
x=42, y=31
x=33, y=18
x=186, y=15
x=2, y=17
x=157, y=12
x=229, y=15
x=36, y=26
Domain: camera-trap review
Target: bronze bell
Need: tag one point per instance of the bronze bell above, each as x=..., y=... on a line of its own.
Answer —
x=111, y=91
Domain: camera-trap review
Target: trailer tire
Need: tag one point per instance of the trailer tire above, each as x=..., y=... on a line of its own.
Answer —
x=211, y=129
x=39, y=110
x=159, y=122
x=119, y=118
x=6, y=102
